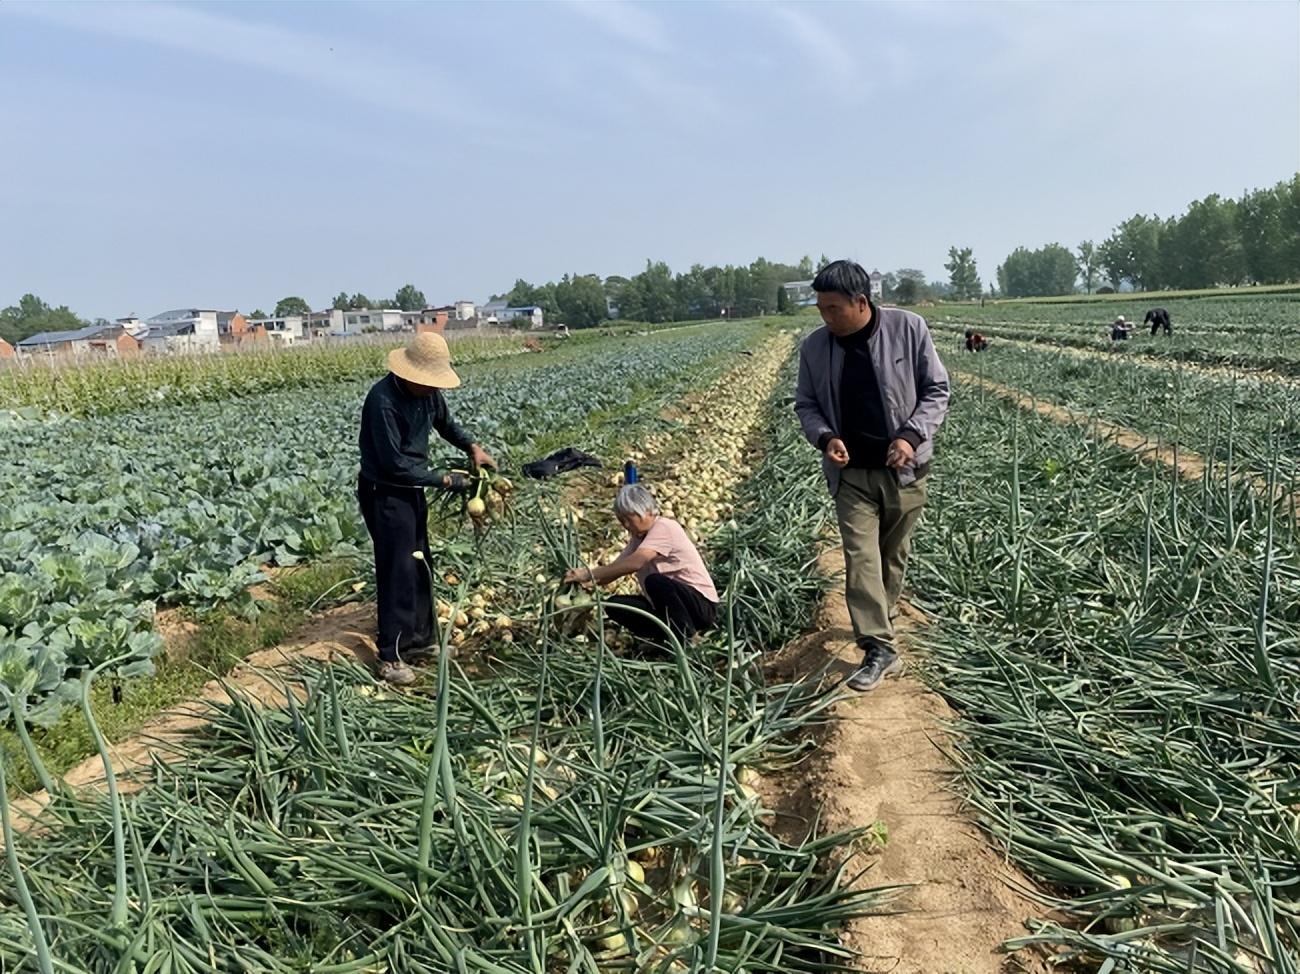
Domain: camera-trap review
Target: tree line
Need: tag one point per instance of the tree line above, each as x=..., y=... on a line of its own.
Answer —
x=407, y=298
x=656, y=294
x=1216, y=242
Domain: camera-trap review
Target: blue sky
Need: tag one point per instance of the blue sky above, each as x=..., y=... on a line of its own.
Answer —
x=159, y=155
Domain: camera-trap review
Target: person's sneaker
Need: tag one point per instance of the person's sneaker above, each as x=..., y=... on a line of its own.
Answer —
x=397, y=673
x=877, y=664
x=422, y=652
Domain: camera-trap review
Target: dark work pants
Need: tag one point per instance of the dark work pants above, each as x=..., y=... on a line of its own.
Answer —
x=398, y=521
x=684, y=609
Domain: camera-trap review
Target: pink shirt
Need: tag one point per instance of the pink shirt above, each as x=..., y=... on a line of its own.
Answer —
x=677, y=557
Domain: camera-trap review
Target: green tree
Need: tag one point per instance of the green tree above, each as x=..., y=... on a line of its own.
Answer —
x=291, y=306
x=1112, y=260
x=258, y=315
x=696, y=297
x=908, y=290
x=805, y=268
x=1027, y=273
x=962, y=274
x=1203, y=248
x=409, y=299
x=659, y=292
x=1088, y=264
x=522, y=295
x=782, y=300
x=1133, y=252
x=341, y=302
x=31, y=315
x=358, y=302
x=581, y=300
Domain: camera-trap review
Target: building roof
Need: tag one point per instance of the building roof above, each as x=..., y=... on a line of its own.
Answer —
x=59, y=337
x=169, y=329
x=177, y=314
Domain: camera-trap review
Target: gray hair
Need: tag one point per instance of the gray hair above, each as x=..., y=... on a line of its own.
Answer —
x=634, y=500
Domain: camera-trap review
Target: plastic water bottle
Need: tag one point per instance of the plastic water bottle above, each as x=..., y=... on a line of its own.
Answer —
x=629, y=473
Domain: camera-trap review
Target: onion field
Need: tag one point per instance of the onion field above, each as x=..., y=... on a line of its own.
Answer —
x=1121, y=644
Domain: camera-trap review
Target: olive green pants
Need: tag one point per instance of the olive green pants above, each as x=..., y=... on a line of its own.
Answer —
x=876, y=518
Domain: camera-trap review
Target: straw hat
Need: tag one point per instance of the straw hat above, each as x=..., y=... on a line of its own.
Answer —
x=426, y=362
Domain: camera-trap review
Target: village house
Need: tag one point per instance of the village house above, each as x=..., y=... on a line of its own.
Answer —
x=498, y=312
x=354, y=321
x=286, y=330
x=188, y=329
x=6, y=350
x=801, y=294
x=428, y=320
x=103, y=339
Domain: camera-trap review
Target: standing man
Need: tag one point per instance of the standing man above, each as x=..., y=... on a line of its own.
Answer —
x=398, y=414
x=871, y=395
x=1158, y=318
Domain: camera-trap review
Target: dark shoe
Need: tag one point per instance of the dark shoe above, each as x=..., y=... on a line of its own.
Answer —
x=418, y=653
x=877, y=664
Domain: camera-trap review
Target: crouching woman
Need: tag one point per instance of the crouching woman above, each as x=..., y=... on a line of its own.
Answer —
x=676, y=585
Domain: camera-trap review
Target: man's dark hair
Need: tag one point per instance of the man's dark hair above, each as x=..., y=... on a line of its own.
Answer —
x=843, y=277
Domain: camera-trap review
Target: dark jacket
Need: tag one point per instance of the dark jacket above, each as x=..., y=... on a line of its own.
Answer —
x=913, y=384
x=395, y=435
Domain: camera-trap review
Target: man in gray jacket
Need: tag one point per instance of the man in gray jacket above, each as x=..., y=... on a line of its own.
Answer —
x=871, y=394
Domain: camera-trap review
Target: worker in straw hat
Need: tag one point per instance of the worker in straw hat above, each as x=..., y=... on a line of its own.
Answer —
x=398, y=414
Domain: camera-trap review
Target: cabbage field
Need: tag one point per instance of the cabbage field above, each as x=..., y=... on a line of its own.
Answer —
x=1121, y=644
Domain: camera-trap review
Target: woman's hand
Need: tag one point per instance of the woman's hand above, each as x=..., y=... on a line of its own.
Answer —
x=585, y=577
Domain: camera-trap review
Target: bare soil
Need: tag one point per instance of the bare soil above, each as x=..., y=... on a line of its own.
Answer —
x=884, y=760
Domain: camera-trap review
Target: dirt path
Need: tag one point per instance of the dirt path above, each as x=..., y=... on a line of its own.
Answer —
x=882, y=761
x=336, y=633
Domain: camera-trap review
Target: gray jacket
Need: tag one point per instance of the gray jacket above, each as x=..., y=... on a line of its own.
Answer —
x=912, y=380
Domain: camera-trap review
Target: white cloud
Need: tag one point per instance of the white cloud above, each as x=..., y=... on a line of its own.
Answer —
x=631, y=23
x=376, y=77
x=825, y=51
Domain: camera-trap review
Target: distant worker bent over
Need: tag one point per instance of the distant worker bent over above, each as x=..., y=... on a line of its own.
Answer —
x=1158, y=318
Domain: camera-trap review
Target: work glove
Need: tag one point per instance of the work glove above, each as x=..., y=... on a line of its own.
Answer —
x=458, y=483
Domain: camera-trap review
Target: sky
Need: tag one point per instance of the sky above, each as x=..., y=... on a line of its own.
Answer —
x=160, y=155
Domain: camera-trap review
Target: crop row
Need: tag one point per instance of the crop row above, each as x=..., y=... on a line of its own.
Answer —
x=97, y=388
x=574, y=810
x=1124, y=651
x=102, y=518
x=1247, y=424
x=1276, y=312
x=1252, y=334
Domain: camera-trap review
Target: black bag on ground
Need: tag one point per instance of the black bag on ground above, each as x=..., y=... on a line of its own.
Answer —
x=559, y=462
